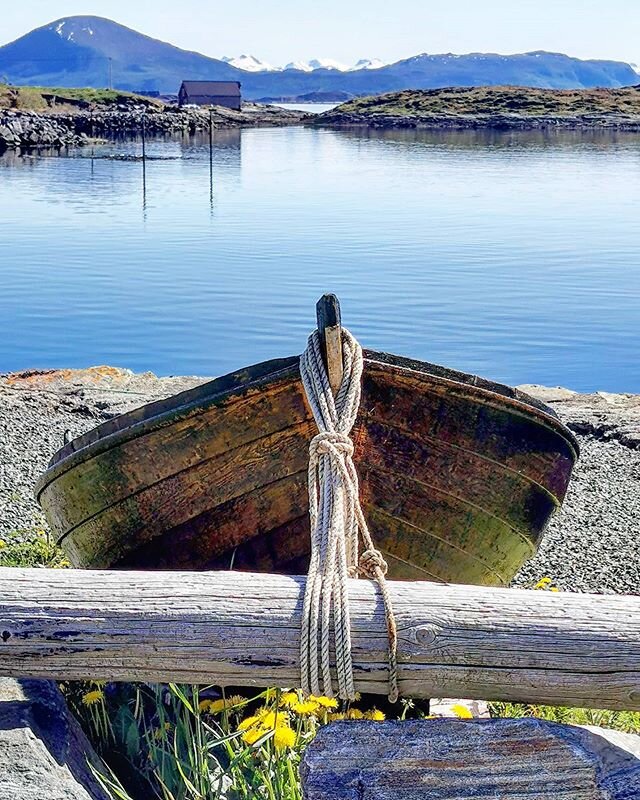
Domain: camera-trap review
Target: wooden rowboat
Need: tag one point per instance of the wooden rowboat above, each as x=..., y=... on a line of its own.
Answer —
x=459, y=476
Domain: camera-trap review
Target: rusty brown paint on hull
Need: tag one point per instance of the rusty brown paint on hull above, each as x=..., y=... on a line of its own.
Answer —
x=459, y=476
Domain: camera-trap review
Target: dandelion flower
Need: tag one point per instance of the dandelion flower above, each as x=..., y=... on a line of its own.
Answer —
x=92, y=697
x=355, y=713
x=305, y=707
x=248, y=722
x=542, y=583
x=203, y=706
x=324, y=702
x=2, y=543
x=334, y=717
x=462, y=712
x=252, y=735
x=284, y=737
x=554, y=589
x=289, y=698
x=374, y=714
x=235, y=700
x=271, y=719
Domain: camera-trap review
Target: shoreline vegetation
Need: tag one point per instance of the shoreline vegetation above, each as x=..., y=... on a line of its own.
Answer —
x=492, y=107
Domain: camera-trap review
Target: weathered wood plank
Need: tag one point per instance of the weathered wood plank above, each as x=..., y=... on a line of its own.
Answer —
x=448, y=759
x=330, y=330
x=239, y=628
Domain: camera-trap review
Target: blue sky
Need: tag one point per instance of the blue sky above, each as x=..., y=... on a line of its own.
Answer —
x=350, y=29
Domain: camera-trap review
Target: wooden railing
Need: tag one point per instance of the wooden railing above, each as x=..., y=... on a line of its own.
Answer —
x=234, y=628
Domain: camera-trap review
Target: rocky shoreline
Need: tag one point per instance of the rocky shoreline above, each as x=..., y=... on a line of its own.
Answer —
x=509, y=108
x=592, y=544
x=27, y=130
x=498, y=122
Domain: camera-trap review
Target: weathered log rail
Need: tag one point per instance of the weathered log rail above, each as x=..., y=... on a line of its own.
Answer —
x=235, y=628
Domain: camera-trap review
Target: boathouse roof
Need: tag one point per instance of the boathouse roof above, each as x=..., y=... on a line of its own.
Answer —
x=212, y=88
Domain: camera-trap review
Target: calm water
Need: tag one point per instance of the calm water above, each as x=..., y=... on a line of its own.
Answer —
x=513, y=256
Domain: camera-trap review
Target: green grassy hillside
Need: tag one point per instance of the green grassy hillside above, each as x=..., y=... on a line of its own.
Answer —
x=491, y=100
x=39, y=98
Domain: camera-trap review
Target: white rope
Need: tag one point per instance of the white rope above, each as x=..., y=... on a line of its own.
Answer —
x=336, y=522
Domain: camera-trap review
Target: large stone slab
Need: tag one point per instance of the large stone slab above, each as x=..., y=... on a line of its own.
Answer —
x=447, y=759
x=43, y=751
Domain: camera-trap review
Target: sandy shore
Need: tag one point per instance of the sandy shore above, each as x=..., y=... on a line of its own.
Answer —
x=592, y=544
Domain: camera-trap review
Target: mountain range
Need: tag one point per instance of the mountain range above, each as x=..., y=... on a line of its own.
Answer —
x=253, y=64
x=93, y=51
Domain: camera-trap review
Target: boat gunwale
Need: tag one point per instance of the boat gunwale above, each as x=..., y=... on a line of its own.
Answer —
x=200, y=398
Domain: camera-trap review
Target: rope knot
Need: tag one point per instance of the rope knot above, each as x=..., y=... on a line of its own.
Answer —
x=370, y=562
x=331, y=443
x=337, y=522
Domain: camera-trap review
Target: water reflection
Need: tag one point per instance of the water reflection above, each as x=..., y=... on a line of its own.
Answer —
x=511, y=254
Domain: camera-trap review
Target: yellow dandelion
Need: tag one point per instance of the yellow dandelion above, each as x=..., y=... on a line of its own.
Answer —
x=355, y=713
x=542, y=583
x=92, y=697
x=216, y=706
x=248, y=722
x=252, y=735
x=337, y=716
x=284, y=737
x=357, y=696
x=2, y=544
x=203, y=706
x=323, y=702
x=289, y=698
x=235, y=700
x=462, y=712
x=374, y=714
x=269, y=720
x=554, y=589
x=305, y=707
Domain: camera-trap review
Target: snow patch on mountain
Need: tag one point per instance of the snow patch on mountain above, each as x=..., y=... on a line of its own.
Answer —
x=249, y=63
x=253, y=64
x=368, y=63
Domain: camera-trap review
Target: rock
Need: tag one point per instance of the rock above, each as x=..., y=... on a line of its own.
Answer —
x=43, y=751
x=33, y=130
x=444, y=759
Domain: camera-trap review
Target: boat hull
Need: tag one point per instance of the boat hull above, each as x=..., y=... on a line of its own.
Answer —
x=458, y=476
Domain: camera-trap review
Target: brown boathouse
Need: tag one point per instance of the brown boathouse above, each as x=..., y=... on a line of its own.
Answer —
x=210, y=93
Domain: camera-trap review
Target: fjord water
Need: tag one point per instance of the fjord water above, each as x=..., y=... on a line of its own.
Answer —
x=514, y=256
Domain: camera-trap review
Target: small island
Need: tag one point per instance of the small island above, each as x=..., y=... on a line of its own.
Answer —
x=496, y=107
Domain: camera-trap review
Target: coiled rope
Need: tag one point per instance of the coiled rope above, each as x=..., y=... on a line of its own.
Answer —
x=337, y=522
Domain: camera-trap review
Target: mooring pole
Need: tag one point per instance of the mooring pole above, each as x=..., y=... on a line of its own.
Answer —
x=211, y=156
x=330, y=330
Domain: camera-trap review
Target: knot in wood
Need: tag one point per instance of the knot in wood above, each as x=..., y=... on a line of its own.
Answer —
x=424, y=634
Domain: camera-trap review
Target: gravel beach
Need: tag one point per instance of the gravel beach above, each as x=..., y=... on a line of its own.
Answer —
x=592, y=544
